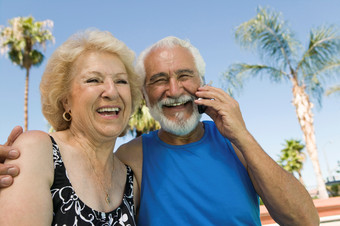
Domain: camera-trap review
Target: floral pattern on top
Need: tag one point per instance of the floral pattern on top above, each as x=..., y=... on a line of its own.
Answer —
x=68, y=209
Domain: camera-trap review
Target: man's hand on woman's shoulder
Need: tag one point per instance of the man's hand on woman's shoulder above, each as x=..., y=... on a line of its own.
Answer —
x=8, y=171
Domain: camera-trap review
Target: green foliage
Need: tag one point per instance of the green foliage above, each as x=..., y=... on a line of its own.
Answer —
x=261, y=202
x=142, y=122
x=23, y=39
x=292, y=157
x=335, y=189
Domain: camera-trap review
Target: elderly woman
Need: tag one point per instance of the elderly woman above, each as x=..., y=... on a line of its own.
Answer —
x=72, y=177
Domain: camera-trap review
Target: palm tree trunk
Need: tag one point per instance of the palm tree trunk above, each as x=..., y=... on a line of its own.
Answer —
x=304, y=113
x=26, y=100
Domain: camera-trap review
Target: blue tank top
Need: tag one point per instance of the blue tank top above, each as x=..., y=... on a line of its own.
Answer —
x=201, y=183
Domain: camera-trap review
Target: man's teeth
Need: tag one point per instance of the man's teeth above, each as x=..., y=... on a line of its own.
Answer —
x=175, y=104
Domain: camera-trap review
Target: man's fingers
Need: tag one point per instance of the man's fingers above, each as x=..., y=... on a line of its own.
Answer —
x=5, y=181
x=7, y=152
x=14, y=135
x=9, y=170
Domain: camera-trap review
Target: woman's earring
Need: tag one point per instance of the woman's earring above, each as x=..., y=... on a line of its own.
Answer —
x=67, y=116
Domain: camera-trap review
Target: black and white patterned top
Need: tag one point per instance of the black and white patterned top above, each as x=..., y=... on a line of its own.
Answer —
x=68, y=209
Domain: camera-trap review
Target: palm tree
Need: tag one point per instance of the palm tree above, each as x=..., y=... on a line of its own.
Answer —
x=333, y=90
x=292, y=157
x=22, y=40
x=276, y=44
x=142, y=122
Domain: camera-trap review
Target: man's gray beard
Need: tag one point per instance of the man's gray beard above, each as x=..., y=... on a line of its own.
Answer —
x=181, y=126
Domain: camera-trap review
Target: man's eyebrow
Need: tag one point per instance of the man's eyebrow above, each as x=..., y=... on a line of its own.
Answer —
x=155, y=76
x=183, y=71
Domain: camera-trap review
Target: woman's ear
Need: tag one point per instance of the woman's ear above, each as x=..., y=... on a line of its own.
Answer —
x=66, y=105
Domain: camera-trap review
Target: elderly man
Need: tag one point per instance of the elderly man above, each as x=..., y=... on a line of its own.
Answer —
x=202, y=173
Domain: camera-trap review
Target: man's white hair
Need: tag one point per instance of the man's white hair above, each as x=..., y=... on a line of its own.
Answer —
x=171, y=42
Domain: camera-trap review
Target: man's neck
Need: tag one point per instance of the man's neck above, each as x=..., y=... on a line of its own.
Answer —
x=191, y=137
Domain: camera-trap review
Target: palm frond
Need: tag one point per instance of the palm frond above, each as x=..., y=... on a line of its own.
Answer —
x=36, y=57
x=292, y=157
x=25, y=35
x=270, y=35
x=330, y=68
x=237, y=73
x=15, y=56
x=314, y=81
x=320, y=60
x=323, y=48
x=333, y=90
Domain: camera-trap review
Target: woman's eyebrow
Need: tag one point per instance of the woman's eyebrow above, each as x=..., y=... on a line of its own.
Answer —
x=101, y=74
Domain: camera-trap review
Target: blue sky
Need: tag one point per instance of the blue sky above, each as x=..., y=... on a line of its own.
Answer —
x=209, y=25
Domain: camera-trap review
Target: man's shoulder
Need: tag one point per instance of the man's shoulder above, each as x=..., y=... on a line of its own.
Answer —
x=131, y=145
x=208, y=122
x=130, y=151
x=209, y=126
x=131, y=154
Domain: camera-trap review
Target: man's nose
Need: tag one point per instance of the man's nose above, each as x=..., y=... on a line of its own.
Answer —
x=175, y=88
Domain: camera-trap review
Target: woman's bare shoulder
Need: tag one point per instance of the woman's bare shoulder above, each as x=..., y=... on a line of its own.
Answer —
x=35, y=147
x=33, y=137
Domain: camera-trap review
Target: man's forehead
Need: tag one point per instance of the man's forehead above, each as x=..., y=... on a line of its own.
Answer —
x=165, y=53
x=170, y=51
x=167, y=59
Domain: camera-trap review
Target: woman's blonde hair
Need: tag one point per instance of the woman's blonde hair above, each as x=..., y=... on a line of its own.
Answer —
x=56, y=81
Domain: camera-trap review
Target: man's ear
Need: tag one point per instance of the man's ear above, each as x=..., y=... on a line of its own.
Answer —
x=144, y=97
x=144, y=92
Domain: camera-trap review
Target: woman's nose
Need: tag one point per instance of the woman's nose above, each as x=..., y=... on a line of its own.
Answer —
x=110, y=90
